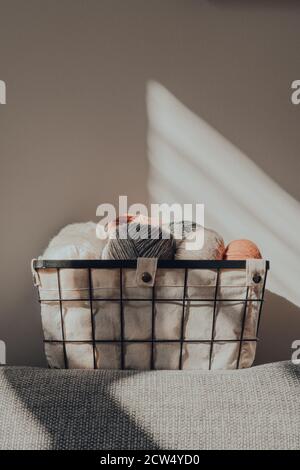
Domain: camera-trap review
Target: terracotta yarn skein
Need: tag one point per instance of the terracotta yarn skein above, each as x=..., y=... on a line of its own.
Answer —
x=242, y=249
x=122, y=219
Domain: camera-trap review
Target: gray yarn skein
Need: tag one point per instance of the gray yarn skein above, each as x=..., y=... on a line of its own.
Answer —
x=183, y=228
x=134, y=241
x=185, y=231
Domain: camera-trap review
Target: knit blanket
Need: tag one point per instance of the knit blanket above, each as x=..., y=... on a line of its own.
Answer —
x=257, y=408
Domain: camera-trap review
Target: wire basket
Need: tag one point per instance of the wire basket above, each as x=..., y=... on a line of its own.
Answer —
x=169, y=314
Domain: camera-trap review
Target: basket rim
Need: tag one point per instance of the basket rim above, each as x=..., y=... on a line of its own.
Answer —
x=161, y=263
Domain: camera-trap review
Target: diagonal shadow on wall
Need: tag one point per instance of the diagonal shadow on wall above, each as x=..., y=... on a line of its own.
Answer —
x=191, y=162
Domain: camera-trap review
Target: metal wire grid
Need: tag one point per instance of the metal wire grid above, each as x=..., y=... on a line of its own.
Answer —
x=165, y=264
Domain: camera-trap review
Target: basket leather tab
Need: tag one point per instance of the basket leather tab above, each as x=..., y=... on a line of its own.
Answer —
x=35, y=274
x=255, y=272
x=146, y=272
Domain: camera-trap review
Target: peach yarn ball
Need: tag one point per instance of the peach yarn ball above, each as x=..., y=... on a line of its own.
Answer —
x=242, y=249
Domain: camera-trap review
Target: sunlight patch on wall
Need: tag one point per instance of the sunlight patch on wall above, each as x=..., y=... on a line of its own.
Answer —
x=191, y=162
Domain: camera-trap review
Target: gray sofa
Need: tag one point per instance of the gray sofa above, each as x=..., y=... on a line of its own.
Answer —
x=257, y=408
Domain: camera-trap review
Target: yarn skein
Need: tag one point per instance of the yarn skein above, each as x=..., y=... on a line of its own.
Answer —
x=135, y=240
x=185, y=232
x=127, y=219
x=242, y=249
x=122, y=219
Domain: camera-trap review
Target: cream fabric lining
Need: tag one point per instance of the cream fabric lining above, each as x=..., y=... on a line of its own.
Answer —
x=169, y=284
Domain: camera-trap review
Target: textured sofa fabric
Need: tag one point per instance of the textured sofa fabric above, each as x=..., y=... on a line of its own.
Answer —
x=256, y=408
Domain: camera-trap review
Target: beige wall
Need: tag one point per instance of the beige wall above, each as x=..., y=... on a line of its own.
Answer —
x=73, y=131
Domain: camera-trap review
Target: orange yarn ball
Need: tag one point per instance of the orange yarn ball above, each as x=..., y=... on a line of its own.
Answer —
x=242, y=249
